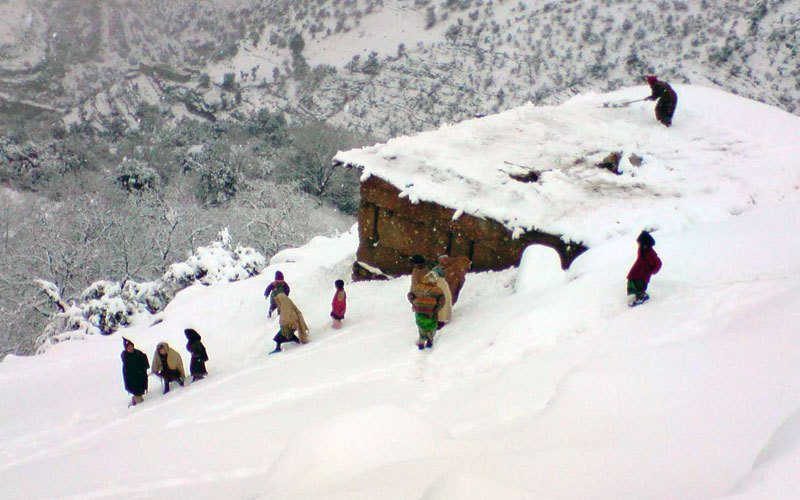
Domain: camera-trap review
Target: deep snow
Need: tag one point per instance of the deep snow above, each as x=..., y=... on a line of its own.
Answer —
x=545, y=385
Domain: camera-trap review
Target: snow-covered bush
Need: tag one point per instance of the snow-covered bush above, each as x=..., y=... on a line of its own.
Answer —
x=249, y=260
x=105, y=306
x=217, y=185
x=135, y=175
x=108, y=313
x=28, y=165
x=100, y=289
x=151, y=296
x=66, y=325
x=216, y=263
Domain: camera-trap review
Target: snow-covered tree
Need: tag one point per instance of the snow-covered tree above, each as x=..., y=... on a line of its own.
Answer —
x=135, y=175
x=217, y=185
x=216, y=263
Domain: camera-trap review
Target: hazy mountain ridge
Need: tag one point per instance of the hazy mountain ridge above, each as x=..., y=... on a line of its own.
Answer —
x=474, y=57
x=495, y=57
x=65, y=52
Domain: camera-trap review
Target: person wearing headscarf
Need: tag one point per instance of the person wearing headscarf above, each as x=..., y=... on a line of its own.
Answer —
x=646, y=265
x=419, y=268
x=667, y=99
x=197, y=363
x=168, y=365
x=291, y=321
x=426, y=301
x=134, y=371
x=273, y=289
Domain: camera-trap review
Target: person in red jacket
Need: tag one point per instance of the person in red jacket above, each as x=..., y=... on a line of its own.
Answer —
x=647, y=264
x=338, y=304
x=667, y=99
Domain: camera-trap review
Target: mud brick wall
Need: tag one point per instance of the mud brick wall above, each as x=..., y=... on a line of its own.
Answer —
x=392, y=229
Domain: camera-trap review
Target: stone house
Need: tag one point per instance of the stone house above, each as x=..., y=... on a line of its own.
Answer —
x=485, y=188
x=392, y=229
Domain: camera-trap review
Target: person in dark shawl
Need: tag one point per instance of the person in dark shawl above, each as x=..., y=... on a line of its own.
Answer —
x=197, y=363
x=667, y=99
x=134, y=371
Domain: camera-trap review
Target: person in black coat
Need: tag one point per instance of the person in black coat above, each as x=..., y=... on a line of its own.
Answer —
x=134, y=371
x=667, y=99
x=197, y=365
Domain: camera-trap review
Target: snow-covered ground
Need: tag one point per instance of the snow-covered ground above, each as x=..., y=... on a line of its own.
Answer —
x=380, y=32
x=545, y=385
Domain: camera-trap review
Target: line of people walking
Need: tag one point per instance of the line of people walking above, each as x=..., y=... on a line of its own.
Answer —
x=293, y=326
x=435, y=288
x=167, y=365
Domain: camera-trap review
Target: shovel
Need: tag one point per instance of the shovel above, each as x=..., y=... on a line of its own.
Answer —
x=622, y=104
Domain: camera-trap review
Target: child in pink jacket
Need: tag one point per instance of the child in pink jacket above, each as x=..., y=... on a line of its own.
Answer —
x=338, y=304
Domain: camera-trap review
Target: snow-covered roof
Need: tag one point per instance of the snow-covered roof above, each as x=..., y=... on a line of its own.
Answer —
x=713, y=162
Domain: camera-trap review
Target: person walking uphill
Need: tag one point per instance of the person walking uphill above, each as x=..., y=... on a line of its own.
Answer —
x=338, y=304
x=197, y=364
x=168, y=365
x=273, y=289
x=291, y=320
x=426, y=300
x=667, y=99
x=647, y=264
x=134, y=371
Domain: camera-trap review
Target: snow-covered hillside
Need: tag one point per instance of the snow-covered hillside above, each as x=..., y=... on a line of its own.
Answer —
x=545, y=384
x=382, y=67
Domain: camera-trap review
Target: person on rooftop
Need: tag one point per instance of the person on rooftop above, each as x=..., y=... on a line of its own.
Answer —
x=667, y=99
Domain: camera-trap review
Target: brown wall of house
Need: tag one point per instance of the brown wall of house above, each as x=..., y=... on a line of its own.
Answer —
x=392, y=229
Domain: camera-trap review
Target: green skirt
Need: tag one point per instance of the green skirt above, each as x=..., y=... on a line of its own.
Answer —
x=425, y=322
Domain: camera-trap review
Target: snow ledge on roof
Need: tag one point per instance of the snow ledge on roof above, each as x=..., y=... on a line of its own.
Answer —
x=542, y=167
